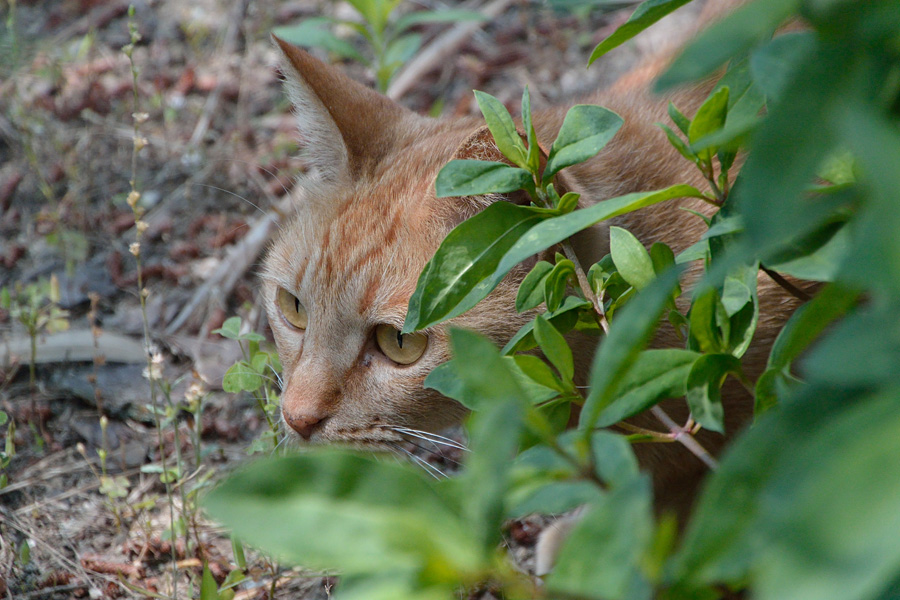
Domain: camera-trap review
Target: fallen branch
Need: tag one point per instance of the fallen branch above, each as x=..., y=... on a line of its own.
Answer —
x=234, y=265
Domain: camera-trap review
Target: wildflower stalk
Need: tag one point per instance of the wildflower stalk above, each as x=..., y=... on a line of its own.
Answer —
x=134, y=196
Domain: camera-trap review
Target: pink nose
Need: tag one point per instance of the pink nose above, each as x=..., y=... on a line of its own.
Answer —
x=305, y=425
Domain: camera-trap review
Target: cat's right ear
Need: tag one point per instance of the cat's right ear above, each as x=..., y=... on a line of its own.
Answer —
x=345, y=127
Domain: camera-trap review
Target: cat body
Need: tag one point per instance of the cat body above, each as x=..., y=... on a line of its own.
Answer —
x=338, y=277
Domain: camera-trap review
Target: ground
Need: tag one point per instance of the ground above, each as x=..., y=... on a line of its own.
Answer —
x=214, y=169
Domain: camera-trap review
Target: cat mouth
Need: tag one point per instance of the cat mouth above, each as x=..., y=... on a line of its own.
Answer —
x=438, y=455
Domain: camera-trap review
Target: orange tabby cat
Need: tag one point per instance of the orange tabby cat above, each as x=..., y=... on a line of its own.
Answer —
x=339, y=276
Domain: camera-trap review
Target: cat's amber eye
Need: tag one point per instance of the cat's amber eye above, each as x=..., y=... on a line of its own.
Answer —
x=291, y=308
x=402, y=348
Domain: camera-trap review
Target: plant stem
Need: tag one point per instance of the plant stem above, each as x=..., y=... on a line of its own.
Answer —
x=586, y=286
x=787, y=285
x=682, y=436
x=142, y=293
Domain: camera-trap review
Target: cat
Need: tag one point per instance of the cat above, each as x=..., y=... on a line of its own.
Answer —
x=339, y=275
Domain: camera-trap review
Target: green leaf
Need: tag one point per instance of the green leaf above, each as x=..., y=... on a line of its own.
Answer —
x=706, y=319
x=662, y=256
x=390, y=585
x=375, y=12
x=554, y=347
x=735, y=296
x=874, y=141
x=534, y=149
x=788, y=149
x=809, y=322
x=764, y=514
x=654, y=376
x=563, y=319
x=538, y=371
x=556, y=283
x=494, y=429
x=734, y=35
x=568, y=202
x=679, y=144
x=237, y=549
x=397, y=53
x=821, y=263
x=710, y=118
x=485, y=378
x=494, y=436
x=477, y=177
x=630, y=257
x=774, y=63
x=443, y=379
x=457, y=277
x=614, y=458
x=601, y=557
x=230, y=329
x=24, y=553
x=704, y=393
x=550, y=497
x=465, y=269
x=502, y=127
x=681, y=121
x=208, y=588
x=241, y=377
x=745, y=99
x=335, y=510
x=311, y=34
x=531, y=290
x=586, y=129
x=862, y=350
x=648, y=13
x=631, y=331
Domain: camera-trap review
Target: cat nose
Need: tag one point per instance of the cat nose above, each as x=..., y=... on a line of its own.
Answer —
x=305, y=425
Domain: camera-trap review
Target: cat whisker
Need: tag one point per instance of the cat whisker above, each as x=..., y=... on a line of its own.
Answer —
x=427, y=466
x=282, y=442
x=230, y=193
x=438, y=450
x=272, y=379
x=437, y=440
x=277, y=376
x=256, y=166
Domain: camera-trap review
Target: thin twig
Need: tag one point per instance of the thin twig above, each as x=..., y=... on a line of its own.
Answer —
x=787, y=285
x=656, y=435
x=681, y=435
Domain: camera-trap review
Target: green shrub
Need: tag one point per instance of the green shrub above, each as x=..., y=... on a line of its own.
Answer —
x=806, y=503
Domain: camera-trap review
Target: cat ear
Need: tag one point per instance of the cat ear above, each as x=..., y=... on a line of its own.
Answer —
x=345, y=127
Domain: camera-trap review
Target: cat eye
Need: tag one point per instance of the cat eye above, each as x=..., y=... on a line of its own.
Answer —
x=290, y=307
x=402, y=348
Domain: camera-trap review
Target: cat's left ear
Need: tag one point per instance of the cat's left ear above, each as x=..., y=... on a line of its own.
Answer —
x=345, y=127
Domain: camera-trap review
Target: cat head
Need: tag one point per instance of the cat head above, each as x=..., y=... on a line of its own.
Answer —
x=339, y=275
